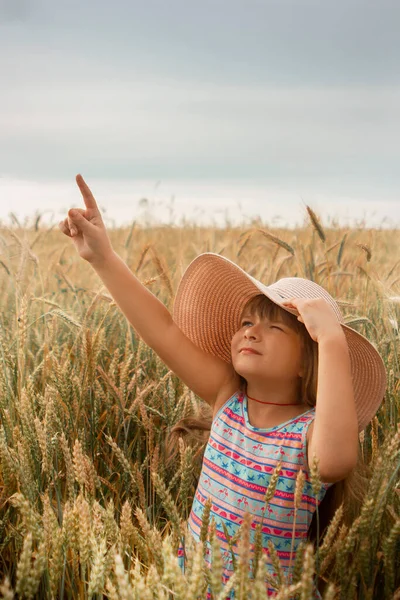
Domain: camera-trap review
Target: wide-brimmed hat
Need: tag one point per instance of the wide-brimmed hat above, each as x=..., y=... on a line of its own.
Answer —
x=212, y=294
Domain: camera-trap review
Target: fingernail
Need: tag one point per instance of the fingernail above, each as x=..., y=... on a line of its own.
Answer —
x=73, y=213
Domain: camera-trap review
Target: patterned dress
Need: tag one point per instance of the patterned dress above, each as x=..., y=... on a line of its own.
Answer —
x=238, y=462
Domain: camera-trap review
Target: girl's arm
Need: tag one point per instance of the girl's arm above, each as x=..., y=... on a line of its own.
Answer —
x=203, y=373
x=334, y=435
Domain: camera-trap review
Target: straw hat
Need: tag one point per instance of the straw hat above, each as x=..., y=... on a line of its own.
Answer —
x=209, y=302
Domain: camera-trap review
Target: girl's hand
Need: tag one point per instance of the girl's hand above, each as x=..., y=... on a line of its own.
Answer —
x=318, y=317
x=86, y=228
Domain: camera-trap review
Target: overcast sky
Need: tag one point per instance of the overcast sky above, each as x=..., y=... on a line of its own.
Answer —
x=297, y=93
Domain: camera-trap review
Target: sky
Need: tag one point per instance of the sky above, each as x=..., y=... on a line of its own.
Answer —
x=266, y=105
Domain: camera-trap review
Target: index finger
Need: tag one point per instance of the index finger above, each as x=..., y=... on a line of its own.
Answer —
x=290, y=301
x=86, y=193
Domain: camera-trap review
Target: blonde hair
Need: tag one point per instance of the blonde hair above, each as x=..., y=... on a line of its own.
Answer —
x=350, y=491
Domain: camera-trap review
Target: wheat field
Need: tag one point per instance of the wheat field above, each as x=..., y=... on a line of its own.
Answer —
x=89, y=507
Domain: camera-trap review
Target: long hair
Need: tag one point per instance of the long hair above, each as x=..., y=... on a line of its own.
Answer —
x=350, y=491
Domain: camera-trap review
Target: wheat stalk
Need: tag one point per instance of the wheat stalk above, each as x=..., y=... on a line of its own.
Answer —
x=316, y=223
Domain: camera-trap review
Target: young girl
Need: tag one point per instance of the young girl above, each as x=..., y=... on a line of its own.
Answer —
x=283, y=375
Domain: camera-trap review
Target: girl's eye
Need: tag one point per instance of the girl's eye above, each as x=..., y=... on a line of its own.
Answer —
x=249, y=323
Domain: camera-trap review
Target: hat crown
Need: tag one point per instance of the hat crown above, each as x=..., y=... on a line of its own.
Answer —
x=297, y=287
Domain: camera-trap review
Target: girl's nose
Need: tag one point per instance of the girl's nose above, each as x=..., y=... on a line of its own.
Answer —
x=249, y=336
x=251, y=332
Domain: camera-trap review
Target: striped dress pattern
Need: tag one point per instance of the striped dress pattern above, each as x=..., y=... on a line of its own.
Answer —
x=238, y=462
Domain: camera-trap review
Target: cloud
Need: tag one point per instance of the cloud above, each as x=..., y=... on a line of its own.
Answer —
x=164, y=126
x=264, y=89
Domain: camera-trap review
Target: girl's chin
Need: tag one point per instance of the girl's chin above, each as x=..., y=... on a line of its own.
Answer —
x=244, y=370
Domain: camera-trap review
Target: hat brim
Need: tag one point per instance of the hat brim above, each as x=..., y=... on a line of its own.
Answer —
x=209, y=301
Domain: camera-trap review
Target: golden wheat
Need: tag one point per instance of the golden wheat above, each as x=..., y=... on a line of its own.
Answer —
x=89, y=503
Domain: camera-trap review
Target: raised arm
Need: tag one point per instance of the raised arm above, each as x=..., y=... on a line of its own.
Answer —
x=203, y=373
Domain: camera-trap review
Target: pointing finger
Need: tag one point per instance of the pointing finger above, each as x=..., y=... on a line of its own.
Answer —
x=86, y=193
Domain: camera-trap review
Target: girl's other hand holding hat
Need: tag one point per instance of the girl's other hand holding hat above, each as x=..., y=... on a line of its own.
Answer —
x=317, y=315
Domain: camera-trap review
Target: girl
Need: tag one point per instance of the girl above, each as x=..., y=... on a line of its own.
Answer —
x=284, y=377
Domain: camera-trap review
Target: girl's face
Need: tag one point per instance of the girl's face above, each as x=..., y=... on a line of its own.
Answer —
x=278, y=349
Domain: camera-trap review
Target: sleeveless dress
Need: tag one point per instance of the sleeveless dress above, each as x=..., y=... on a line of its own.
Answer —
x=238, y=462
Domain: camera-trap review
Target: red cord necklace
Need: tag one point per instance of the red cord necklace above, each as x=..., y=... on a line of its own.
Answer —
x=275, y=403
